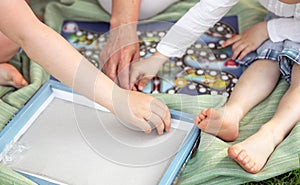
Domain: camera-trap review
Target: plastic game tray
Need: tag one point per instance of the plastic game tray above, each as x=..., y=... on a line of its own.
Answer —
x=69, y=139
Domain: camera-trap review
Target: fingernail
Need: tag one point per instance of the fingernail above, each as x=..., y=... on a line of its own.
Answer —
x=147, y=131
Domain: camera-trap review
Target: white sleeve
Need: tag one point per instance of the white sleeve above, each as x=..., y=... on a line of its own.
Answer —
x=194, y=23
x=284, y=28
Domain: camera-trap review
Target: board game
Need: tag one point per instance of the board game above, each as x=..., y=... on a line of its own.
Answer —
x=205, y=68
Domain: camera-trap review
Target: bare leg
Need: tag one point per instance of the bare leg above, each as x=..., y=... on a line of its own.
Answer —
x=9, y=75
x=253, y=153
x=7, y=48
x=249, y=91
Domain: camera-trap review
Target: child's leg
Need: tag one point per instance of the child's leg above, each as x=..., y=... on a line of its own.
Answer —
x=9, y=75
x=7, y=48
x=253, y=153
x=253, y=86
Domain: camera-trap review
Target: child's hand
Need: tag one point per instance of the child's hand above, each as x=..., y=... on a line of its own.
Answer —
x=143, y=71
x=248, y=41
x=141, y=110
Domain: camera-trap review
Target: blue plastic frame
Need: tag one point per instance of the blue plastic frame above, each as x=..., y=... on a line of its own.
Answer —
x=23, y=116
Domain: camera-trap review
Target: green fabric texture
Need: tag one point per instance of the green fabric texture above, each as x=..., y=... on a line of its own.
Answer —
x=9, y=177
x=11, y=99
x=211, y=165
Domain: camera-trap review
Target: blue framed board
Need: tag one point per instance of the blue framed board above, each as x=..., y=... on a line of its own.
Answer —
x=72, y=140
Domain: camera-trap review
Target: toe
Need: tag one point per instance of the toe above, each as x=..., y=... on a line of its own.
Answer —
x=246, y=160
x=24, y=83
x=233, y=152
x=241, y=156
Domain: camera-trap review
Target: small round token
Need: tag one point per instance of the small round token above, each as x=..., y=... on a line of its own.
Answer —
x=202, y=89
x=213, y=73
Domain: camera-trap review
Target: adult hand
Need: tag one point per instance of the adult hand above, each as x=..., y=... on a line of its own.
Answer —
x=143, y=71
x=141, y=110
x=248, y=41
x=121, y=49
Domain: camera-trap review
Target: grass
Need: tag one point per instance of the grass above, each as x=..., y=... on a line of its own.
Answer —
x=289, y=178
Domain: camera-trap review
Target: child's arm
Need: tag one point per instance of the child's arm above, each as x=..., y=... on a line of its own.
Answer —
x=143, y=71
x=182, y=34
x=195, y=22
x=58, y=57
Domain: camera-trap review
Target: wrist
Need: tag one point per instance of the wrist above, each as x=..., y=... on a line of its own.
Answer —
x=124, y=12
x=116, y=21
x=119, y=97
x=109, y=101
x=105, y=96
x=160, y=57
x=265, y=32
x=127, y=24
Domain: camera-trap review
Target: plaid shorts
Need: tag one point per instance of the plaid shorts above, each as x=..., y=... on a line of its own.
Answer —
x=286, y=53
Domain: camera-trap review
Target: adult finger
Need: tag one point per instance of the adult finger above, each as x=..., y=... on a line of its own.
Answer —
x=136, y=54
x=110, y=67
x=123, y=70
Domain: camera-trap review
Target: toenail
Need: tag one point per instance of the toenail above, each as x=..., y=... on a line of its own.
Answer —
x=236, y=151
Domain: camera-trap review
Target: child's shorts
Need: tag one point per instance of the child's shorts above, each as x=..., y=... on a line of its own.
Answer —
x=286, y=53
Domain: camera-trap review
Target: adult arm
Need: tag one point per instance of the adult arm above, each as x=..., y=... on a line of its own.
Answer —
x=123, y=45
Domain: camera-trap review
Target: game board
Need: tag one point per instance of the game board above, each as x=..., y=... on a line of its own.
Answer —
x=205, y=68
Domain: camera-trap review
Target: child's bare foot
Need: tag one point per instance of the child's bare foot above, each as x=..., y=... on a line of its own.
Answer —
x=10, y=76
x=222, y=122
x=253, y=153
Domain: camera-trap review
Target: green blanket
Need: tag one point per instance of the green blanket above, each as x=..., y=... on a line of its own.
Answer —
x=211, y=165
